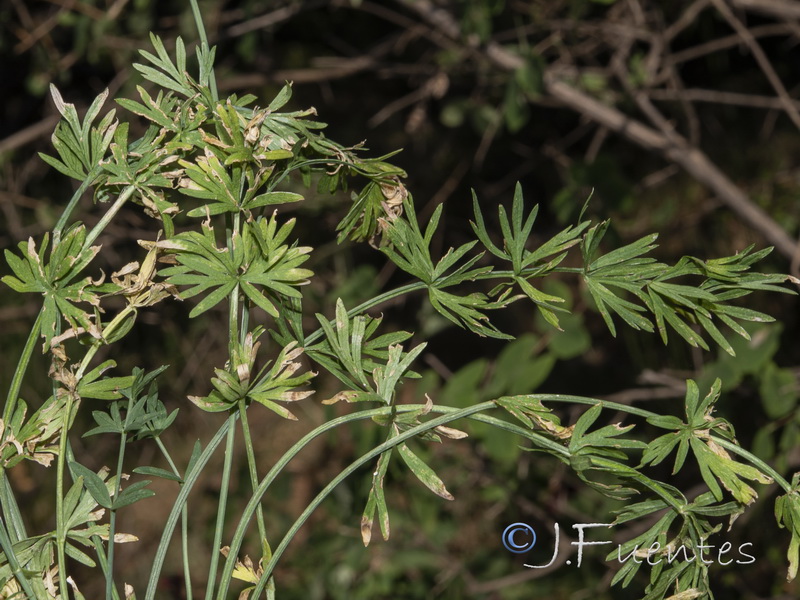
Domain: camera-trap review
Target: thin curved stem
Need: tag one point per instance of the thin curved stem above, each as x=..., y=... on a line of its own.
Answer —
x=61, y=518
x=266, y=551
x=73, y=202
x=405, y=289
x=11, y=557
x=355, y=465
x=22, y=367
x=249, y=510
x=180, y=502
x=640, y=412
x=187, y=572
x=112, y=520
x=108, y=216
x=222, y=504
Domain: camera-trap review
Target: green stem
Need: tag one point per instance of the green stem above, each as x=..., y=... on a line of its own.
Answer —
x=112, y=520
x=73, y=202
x=11, y=557
x=266, y=551
x=405, y=289
x=101, y=558
x=221, y=506
x=9, y=501
x=22, y=367
x=180, y=502
x=355, y=465
x=640, y=412
x=233, y=297
x=108, y=216
x=61, y=518
x=187, y=572
x=255, y=500
x=11, y=513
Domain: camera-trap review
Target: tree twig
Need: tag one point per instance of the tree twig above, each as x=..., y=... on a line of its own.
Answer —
x=761, y=59
x=694, y=161
x=677, y=150
x=717, y=97
x=776, y=8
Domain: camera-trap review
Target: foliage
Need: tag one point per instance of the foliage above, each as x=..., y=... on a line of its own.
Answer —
x=242, y=162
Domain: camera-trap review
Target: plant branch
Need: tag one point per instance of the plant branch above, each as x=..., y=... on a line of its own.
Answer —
x=692, y=159
x=187, y=573
x=247, y=514
x=19, y=372
x=761, y=59
x=221, y=506
x=180, y=502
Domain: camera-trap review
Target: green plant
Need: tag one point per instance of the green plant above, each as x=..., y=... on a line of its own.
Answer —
x=241, y=162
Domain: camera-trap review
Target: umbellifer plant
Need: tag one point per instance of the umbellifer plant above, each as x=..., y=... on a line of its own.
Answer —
x=213, y=174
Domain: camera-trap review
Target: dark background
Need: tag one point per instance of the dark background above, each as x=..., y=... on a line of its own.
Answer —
x=722, y=75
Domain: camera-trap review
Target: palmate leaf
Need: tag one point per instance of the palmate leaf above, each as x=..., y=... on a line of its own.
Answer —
x=207, y=178
x=409, y=249
x=667, y=292
x=107, y=388
x=397, y=365
x=516, y=235
x=80, y=146
x=162, y=110
x=624, y=269
x=716, y=465
x=601, y=450
x=169, y=75
x=376, y=500
x=145, y=169
x=584, y=442
x=35, y=553
x=145, y=416
x=81, y=506
x=362, y=220
x=239, y=158
x=656, y=533
x=257, y=258
x=370, y=366
x=275, y=383
x=55, y=277
x=527, y=264
x=699, y=422
x=36, y=438
x=466, y=311
x=271, y=263
x=374, y=201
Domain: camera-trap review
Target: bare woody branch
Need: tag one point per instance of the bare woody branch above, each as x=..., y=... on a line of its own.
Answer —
x=669, y=144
